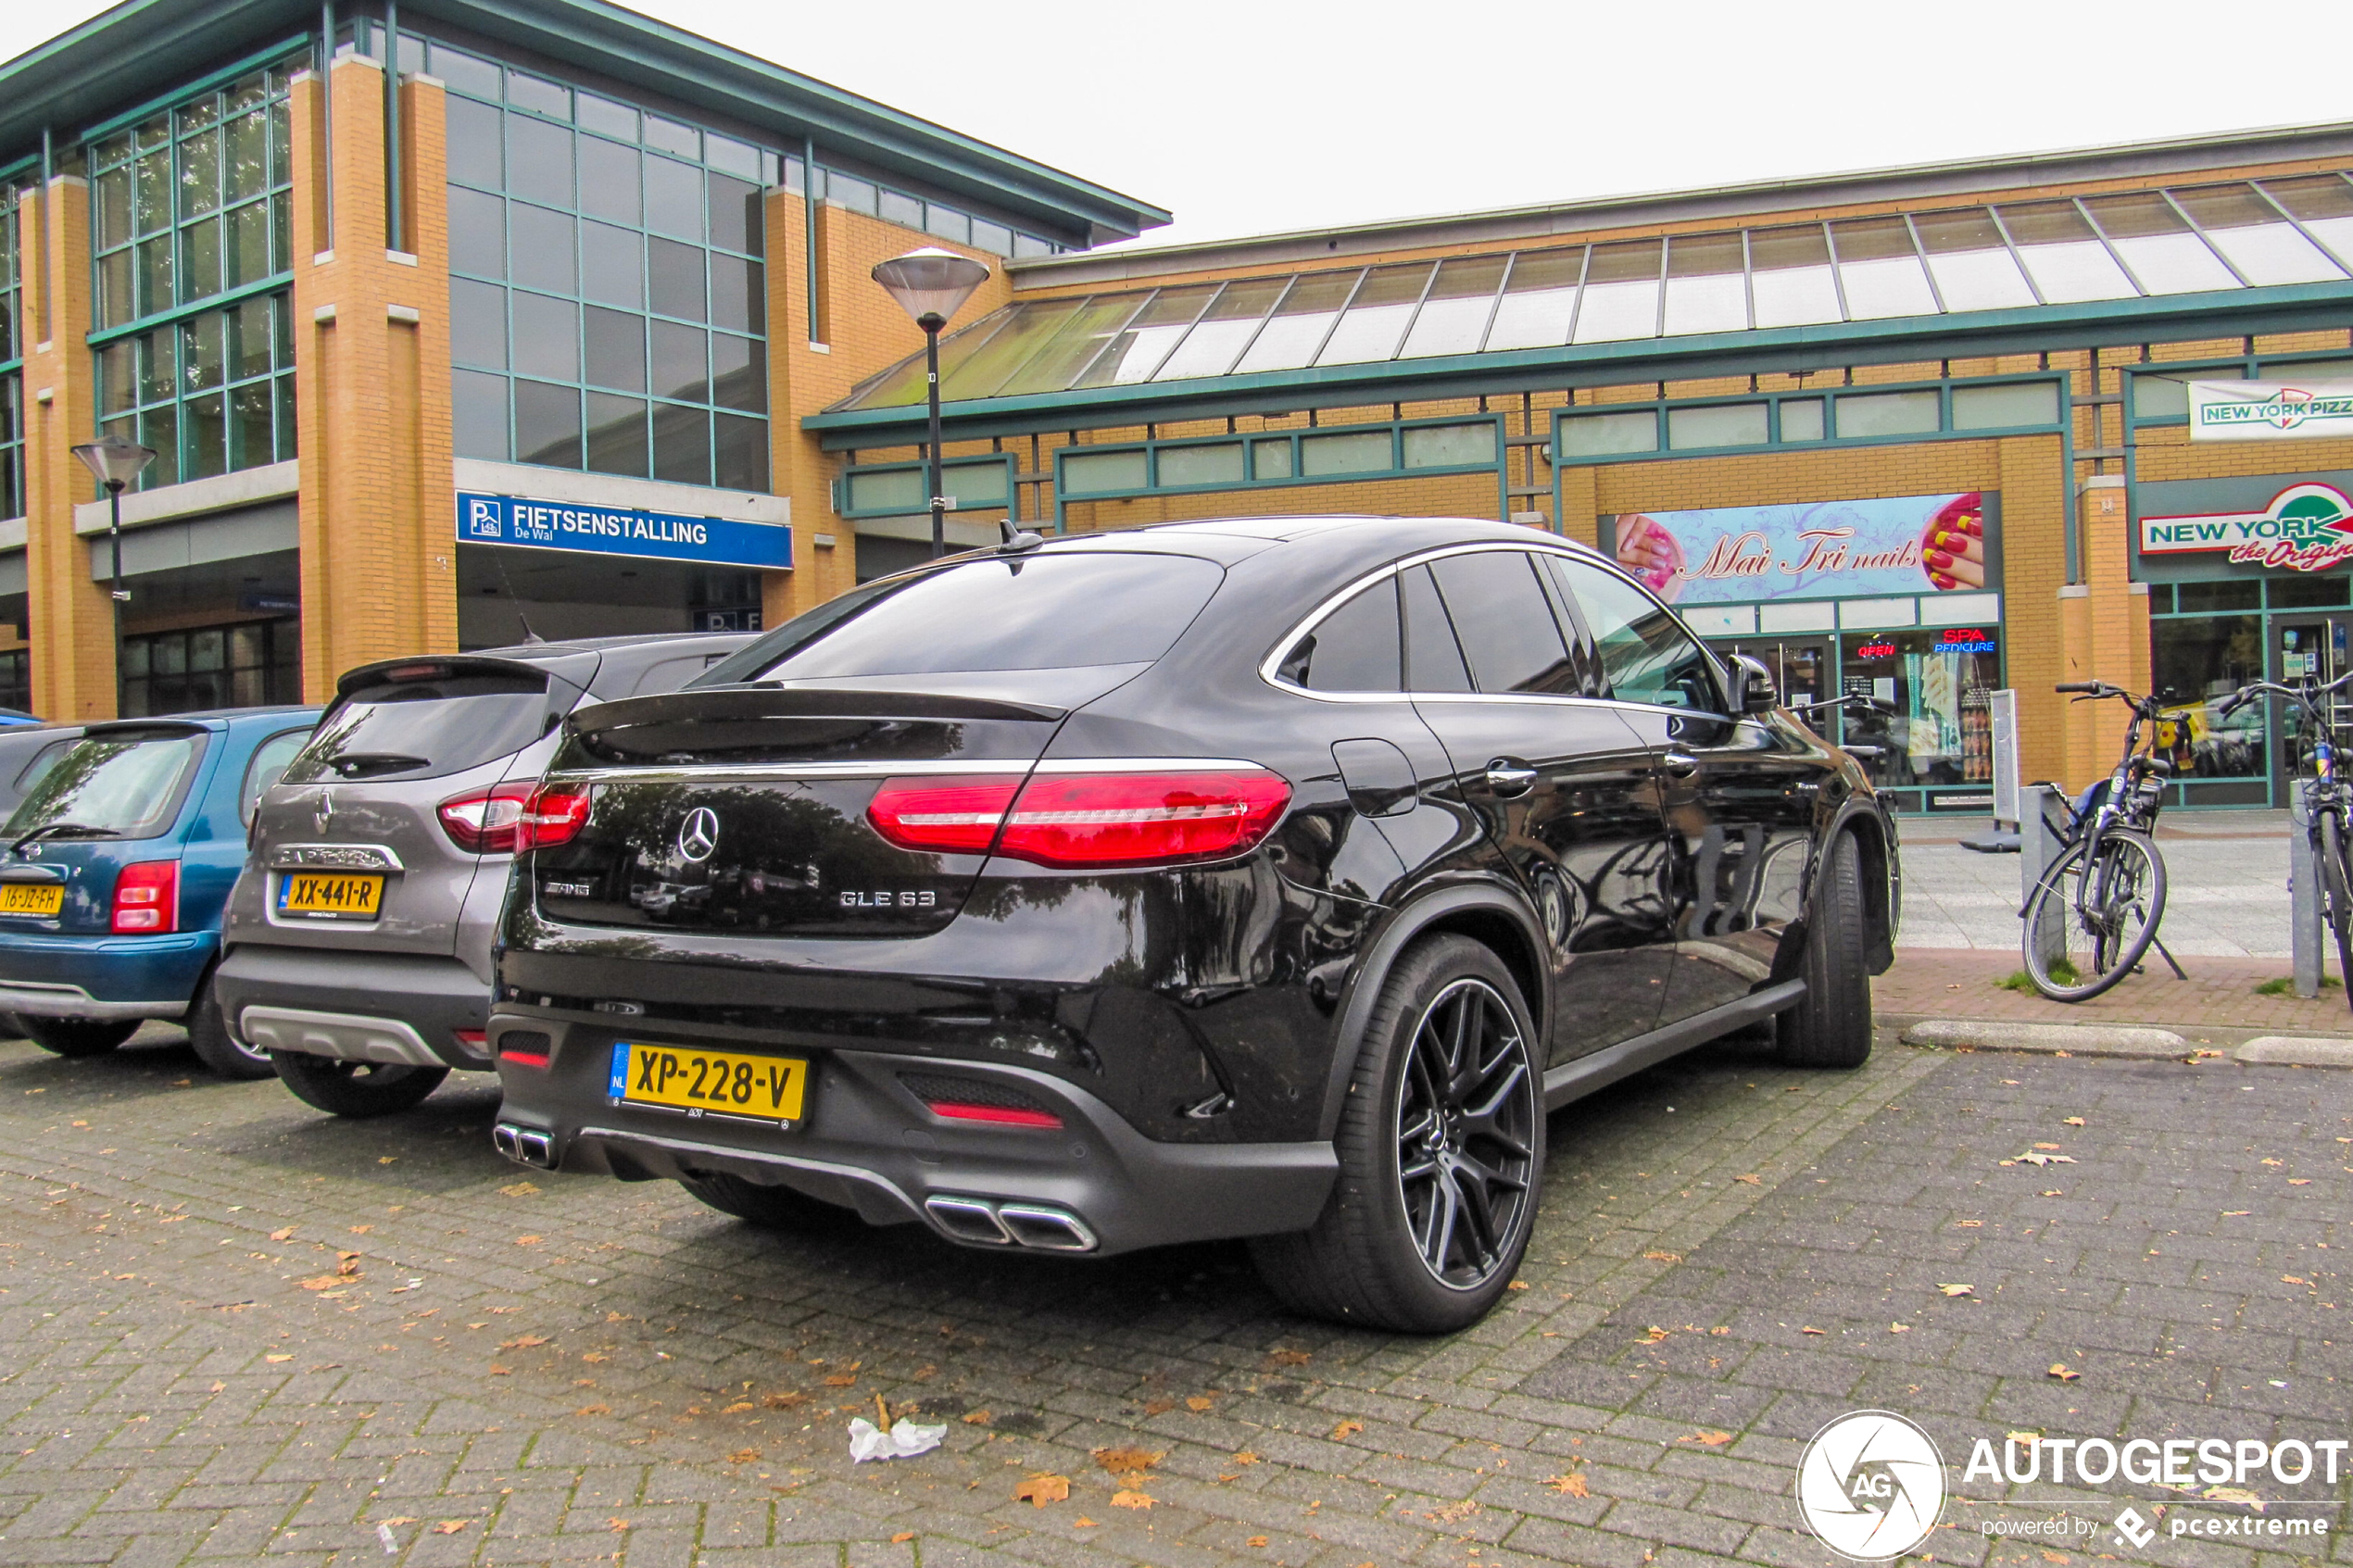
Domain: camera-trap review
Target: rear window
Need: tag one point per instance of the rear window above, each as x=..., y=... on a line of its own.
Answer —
x=119, y=785
x=1042, y=612
x=423, y=729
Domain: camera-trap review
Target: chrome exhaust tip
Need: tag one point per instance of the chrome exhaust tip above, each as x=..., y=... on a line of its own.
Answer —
x=525, y=1145
x=502, y=1138
x=1046, y=1230
x=969, y=1219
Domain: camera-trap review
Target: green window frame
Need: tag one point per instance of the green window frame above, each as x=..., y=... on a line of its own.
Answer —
x=1970, y=409
x=2165, y=400
x=871, y=490
x=608, y=281
x=190, y=274
x=1318, y=454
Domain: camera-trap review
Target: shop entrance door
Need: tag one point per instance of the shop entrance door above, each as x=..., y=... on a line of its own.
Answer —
x=2305, y=647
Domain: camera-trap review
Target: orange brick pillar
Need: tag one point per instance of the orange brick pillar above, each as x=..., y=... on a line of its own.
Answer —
x=72, y=621
x=2103, y=628
x=377, y=505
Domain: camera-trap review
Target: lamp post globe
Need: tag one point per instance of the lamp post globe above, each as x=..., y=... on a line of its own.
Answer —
x=115, y=463
x=931, y=285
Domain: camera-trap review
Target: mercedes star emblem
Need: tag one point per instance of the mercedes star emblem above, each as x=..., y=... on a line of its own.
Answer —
x=698, y=834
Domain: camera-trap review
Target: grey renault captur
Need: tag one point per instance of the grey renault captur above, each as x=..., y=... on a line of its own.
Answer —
x=358, y=941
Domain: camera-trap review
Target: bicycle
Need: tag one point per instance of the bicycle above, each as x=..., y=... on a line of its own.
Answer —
x=2328, y=807
x=2094, y=913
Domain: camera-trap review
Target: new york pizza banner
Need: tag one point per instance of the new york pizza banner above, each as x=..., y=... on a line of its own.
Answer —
x=1887, y=547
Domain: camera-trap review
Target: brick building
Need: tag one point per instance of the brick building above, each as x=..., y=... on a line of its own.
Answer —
x=563, y=325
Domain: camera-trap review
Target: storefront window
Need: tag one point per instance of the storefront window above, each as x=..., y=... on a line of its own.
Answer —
x=211, y=667
x=2195, y=662
x=1939, y=683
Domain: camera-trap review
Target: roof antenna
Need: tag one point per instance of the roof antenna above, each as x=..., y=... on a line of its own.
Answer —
x=1017, y=539
x=529, y=636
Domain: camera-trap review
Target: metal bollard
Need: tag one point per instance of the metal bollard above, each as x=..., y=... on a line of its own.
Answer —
x=2304, y=893
x=2041, y=807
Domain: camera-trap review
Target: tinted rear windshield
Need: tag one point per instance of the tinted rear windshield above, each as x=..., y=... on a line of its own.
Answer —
x=1046, y=612
x=423, y=729
x=110, y=786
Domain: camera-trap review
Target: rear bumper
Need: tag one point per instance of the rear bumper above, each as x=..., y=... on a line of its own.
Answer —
x=301, y=999
x=867, y=1143
x=103, y=977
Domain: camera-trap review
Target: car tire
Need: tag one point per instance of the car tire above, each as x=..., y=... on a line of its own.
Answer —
x=771, y=1208
x=78, y=1036
x=218, y=1049
x=356, y=1089
x=1831, y=1025
x=12, y=1027
x=1381, y=1254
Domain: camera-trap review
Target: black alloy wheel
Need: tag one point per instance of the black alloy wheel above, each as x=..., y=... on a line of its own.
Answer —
x=1465, y=1150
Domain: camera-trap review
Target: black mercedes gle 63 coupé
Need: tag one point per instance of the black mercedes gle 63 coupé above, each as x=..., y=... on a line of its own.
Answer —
x=1268, y=878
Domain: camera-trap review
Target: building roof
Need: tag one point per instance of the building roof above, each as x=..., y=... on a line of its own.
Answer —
x=2175, y=252
x=143, y=48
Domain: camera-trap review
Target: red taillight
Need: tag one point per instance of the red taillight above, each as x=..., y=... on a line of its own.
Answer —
x=1072, y=819
x=146, y=898
x=1004, y=1115
x=959, y=815
x=485, y=820
x=553, y=815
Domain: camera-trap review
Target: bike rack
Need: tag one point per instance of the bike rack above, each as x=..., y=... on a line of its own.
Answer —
x=2304, y=893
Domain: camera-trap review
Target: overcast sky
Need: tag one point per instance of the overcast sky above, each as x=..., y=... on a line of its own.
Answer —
x=1285, y=114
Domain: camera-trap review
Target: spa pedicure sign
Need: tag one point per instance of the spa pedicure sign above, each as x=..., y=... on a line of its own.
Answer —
x=1889, y=546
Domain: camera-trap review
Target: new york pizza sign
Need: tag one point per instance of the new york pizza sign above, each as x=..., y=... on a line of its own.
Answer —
x=2305, y=528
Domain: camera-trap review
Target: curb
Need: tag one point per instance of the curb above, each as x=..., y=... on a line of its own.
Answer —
x=2074, y=1039
x=2288, y=1050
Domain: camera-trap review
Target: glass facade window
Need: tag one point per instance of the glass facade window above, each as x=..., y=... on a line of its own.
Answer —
x=2195, y=660
x=609, y=290
x=16, y=680
x=1790, y=275
x=1620, y=294
x=243, y=666
x=930, y=217
x=1707, y=284
x=11, y=365
x=1940, y=684
x=2324, y=204
x=2151, y=238
x=1972, y=261
x=1377, y=316
x=1717, y=424
x=191, y=238
x=2255, y=236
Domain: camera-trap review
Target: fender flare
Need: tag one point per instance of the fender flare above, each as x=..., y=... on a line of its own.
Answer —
x=1858, y=815
x=1407, y=922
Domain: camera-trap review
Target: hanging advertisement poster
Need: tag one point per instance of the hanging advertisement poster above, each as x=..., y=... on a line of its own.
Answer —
x=1885, y=547
x=2269, y=410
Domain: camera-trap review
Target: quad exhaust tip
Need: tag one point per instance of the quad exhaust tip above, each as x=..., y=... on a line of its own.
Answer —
x=526, y=1146
x=1036, y=1226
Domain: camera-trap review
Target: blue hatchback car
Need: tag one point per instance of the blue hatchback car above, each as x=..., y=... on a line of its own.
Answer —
x=114, y=871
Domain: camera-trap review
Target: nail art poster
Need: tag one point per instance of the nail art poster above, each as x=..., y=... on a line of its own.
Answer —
x=1885, y=547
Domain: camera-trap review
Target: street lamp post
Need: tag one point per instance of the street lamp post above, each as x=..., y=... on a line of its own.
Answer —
x=116, y=462
x=931, y=284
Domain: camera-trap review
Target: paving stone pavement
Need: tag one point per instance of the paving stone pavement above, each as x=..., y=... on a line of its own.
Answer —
x=522, y=1368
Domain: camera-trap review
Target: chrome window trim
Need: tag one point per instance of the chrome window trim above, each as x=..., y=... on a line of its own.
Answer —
x=787, y=773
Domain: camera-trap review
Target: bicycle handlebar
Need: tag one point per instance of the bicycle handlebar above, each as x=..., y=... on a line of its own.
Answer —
x=2088, y=688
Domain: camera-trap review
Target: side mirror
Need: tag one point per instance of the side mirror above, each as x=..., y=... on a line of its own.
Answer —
x=1756, y=690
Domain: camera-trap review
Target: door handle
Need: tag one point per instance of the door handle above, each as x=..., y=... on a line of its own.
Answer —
x=1682, y=764
x=1508, y=778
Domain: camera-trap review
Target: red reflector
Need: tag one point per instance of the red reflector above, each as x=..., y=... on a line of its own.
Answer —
x=472, y=1038
x=525, y=1059
x=1004, y=1115
x=486, y=822
x=1141, y=817
x=959, y=815
x=553, y=815
x=146, y=898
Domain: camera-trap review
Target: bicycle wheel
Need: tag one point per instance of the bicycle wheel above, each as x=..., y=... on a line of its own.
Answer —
x=2336, y=889
x=2091, y=921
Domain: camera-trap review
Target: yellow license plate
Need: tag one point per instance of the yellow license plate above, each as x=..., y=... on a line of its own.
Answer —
x=766, y=1089
x=31, y=898
x=330, y=893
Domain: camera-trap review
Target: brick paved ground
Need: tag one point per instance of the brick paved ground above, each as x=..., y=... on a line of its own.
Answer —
x=2220, y=994
x=569, y=1370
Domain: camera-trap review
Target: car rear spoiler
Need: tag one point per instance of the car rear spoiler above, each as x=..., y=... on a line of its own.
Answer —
x=444, y=666
x=725, y=704
x=165, y=726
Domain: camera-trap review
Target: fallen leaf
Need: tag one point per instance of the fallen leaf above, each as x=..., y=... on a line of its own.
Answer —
x=1159, y=1407
x=594, y=1356
x=290, y=1358
x=1347, y=1429
x=1652, y=1335
x=1288, y=1358
x=1198, y=1402
x=2232, y=1494
x=1245, y=1457
x=498, y=1371
x=1084, y=1523
x=1719, y=1331
x=2050, y=1556
x=324, y=1282
x=1255, y=1540
x=1570, y=1486
x=2052, y=1146
x=1958, y=1289
x=1899, y=1328
x=387, y=1159
x=2074, y=1120
x=1516, y=1285
x=1128, y=1462
x=1813, y=1331
x=841, y=1380
x=1752, y=1181
x=450, y=1526
x=738, y=1408
x=397, y=1519
x=1707, y=1439
x=977, y=1418
x=2032, y=1158
x=1041, y=1489
x=1132, y=1500
x=517, y=1189
x=285, y=1235
x=2064, y=1373
x=529, y=1341
x=905, y=1535
x=2284, y=1279
x=220, y=1387
x=1664, y=1257
x=744, y=1456
x=2236, y=1213
x=2299, y=1180
x=616, y=1524
x=527, y=1241
x=785, y=1401
x=594, y=1410
x=1967, y=1224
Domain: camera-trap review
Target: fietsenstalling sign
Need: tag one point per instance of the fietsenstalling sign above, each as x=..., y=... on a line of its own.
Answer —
x=2269, y=410
x=621, y=531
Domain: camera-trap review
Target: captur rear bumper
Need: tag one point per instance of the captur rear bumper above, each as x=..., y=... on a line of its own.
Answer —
x=868, y=1143
x=410, y=1007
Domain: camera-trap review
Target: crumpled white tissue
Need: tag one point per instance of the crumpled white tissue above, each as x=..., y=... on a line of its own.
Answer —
x=904, y=1440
